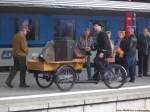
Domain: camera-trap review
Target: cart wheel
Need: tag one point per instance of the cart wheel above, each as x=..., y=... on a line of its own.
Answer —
x=44, y=80
x=115, y=77
x=65, y=77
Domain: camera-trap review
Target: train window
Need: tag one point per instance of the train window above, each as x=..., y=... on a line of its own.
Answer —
x=33, y=25
x=64, y=29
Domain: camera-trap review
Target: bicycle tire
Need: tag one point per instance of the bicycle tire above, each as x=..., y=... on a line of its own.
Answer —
x=65, y=75
x=113, y=73
x=45, y=76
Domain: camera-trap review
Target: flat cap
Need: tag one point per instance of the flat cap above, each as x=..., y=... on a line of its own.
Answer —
x=98, y=23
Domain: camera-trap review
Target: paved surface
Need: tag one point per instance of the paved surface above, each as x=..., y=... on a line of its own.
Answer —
x=34, y=89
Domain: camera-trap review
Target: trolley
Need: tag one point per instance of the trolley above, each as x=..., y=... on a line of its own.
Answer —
x=65, y=74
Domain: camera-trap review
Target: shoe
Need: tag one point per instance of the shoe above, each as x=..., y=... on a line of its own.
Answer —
x=146, y=75
x=140, y=75
x=24, y=86
x=89, y=79
x=96, y=77
x=9, y=85
x=132, y=81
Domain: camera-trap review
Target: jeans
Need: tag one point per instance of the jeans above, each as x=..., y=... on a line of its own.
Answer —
x=130, y=65
x=88, y=67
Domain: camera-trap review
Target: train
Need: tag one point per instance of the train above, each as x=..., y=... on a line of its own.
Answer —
x=50, y=19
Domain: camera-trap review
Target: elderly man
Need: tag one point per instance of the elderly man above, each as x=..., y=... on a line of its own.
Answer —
x=20, y=51
x=129, y=47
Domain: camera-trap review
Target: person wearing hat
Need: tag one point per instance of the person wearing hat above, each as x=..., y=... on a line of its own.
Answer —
x=103, y=47
x=20, y=51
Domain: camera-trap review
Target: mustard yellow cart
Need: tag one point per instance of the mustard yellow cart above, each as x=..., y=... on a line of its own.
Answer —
x=66, y=73
x=63, y=73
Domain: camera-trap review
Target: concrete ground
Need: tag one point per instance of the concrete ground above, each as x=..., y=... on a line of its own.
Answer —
x=34, y=89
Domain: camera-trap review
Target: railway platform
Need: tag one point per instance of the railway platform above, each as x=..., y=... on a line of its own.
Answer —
x=82, y=98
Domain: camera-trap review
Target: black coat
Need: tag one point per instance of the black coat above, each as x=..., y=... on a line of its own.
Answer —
x=140, y=43
x=129, y=45
x=103, y=44
x=146, y=45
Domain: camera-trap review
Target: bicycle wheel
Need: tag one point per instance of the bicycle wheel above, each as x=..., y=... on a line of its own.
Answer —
x=115, y=76
x=44, y=80
x=65, y=77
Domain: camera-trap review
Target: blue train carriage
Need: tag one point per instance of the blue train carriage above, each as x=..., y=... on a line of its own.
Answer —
x=51, y=19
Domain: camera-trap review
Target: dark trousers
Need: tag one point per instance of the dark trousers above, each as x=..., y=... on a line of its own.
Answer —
x=130, y=65
x=99, y=67
x=145, y=64
x=19, y=65
x=140, y=63
x=88, y=67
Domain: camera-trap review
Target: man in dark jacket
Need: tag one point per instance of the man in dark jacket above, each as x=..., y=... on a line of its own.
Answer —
x=103, y=49
x=146, y=50
x=129, y=47
x=140, y=54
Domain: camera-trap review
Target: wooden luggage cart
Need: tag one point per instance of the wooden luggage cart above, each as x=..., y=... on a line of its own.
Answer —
x=63, y=73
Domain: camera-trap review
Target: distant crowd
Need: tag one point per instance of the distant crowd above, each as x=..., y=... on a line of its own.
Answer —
x=123, y=51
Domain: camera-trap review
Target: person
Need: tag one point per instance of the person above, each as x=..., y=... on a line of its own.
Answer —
x=118, y=51
x=103, y=47
x=128, y=45
x=84, y=48
x=146, y=50
x=141, y=51
x=20, y=51
x=111, y=58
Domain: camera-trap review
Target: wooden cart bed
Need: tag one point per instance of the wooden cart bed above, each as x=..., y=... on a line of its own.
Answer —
x=36, y=65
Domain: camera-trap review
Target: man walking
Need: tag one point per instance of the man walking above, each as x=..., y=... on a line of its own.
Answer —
x=103, y=47
x=20, y=51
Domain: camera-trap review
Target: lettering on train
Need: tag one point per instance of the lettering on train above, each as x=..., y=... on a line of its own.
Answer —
x=6, y=54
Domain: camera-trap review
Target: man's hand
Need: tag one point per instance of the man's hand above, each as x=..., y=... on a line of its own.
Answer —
x=101, y=55
x=88, y=49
